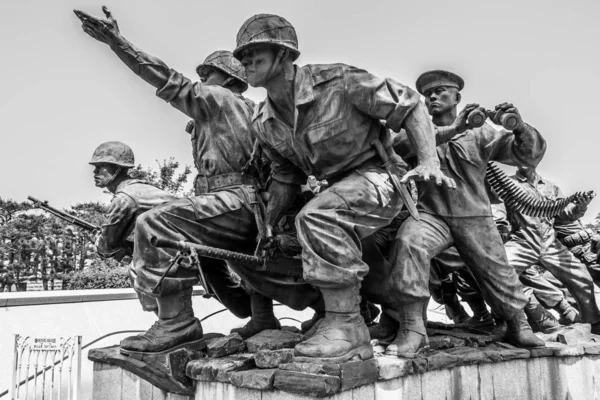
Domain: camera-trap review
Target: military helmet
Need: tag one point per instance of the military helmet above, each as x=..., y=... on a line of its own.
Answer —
x=224, y=61
x=267, y=29
x=117, y=153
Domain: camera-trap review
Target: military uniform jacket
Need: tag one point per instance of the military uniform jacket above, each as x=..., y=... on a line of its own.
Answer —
x=338, y=112
x=464, y=158
x=132, y=198
x=223, y=137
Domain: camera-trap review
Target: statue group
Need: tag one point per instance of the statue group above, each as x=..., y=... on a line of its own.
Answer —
x=405, y=207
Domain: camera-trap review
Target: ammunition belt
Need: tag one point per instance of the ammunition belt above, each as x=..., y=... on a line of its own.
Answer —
x=517, y=199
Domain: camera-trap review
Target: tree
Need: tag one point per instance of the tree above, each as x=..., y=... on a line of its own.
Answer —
x=166, y=177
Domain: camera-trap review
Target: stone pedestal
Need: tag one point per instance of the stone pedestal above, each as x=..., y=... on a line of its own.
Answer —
x=482, y=370
x=569, y=377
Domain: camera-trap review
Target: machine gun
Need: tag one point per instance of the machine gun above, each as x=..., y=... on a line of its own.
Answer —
x=279, y=264
x=71, y=219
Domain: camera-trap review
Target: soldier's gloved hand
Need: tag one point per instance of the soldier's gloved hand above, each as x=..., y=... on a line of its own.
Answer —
x=582, y=202
x=461, y=124
x=429, y=170
x=288, y=244
x=103, y=30
x=268, y=244
x=494, y=116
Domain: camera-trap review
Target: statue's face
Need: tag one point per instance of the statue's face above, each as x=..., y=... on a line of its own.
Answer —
x=258, y=63
x=440, y=100
x=103, y=173
x=213, y=76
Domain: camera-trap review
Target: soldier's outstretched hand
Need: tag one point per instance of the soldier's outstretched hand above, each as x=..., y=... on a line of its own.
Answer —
x=460, y=123
x=103, y=30
x=427, y=171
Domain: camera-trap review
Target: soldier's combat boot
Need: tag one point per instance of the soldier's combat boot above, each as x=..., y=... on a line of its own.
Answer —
x=499, y=331
x=262, y=317
x=411, y=337
x=454, y=310
x=481, y=319
x=385, y=330
x=176, y=328
x=519, y=333
x=540, y=319
x=342, y=335
x=568, y=315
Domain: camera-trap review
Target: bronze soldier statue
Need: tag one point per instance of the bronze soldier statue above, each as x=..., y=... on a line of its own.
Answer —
x=326, y=121
x=461, y=217
x=131, y=198
x=534, y=242
x=226, y=211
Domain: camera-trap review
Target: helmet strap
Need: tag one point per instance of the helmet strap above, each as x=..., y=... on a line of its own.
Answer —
x=227, y=81
x=112, y=178
x=276, y=62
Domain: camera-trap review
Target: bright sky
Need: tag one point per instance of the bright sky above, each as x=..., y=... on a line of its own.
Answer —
x=64, y=93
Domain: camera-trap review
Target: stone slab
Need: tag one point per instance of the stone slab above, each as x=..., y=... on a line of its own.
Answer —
x=441, y=342
x=393, y=367
x=437, y=360
x=315, y=385
x=273, y=339
x=474, y=355
x=217, y=369
x=541, y=352
x=273, y=358
x=261, y=379
x=419, y=365
x=575, y=334
x=309, y=368
x=226, y=345
x=561, y=350
x=592, y=348
x=155, y=373
x=470, y=338
x=357, y=373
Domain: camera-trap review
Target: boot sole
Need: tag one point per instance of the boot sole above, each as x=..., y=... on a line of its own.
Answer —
x=407, y=355
x=360, y=353
x=195, y=345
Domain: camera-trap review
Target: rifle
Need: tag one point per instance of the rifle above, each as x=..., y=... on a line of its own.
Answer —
x=280, y=264
x=73, y=220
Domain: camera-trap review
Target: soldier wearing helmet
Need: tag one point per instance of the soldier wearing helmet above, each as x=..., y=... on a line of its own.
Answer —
x=326, y=121
x=226, y=211
x=132, y=197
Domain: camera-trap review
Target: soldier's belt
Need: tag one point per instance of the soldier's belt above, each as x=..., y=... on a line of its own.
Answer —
x=207, y=184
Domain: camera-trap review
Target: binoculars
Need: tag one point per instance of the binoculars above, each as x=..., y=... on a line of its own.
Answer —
x=478, y=116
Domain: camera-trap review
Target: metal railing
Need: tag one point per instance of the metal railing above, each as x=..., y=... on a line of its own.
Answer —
x=47, y=365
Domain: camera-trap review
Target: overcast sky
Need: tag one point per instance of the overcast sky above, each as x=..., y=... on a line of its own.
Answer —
x=64, y=93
